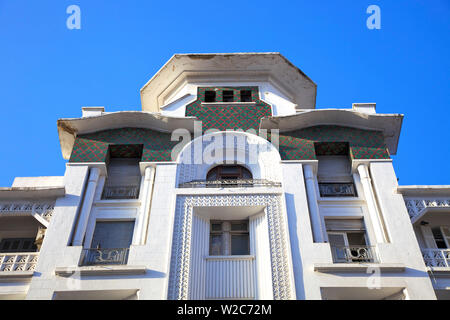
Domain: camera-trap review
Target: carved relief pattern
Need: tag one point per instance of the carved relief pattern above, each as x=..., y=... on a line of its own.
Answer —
x=181, y=251
x=416, y=206
x=45, y=210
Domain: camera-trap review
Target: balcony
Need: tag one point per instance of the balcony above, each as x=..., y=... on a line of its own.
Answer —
x=232, y=183
x=353, y=254
x=117, y=256
x=18, y=262
x=436, y=257
x=230, y=277
x=337, y=189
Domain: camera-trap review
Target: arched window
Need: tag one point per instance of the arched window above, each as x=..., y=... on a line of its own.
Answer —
x=229, y=172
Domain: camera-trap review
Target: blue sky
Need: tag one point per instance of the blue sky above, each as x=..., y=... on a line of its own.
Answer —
x=48, y=71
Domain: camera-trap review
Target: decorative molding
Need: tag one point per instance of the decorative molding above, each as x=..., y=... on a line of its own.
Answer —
x=250, y=150
x=181, y=244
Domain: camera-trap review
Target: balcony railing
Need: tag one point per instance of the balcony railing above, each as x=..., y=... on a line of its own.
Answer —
x=10, y=262
x=436, y=257
x=120, y=192
x=353, y=254
x=105, y=256
x=337, y=189
x=240, y=183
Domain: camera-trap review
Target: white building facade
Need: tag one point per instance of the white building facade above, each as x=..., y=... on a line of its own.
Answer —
x=229, y=184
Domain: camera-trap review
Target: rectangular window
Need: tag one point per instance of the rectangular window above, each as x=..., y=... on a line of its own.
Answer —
x=210, y=96
x=246, y=95
x=441, y=237
x=334, y=176
x=348, y=242
x=110, y=243
x=112, y=234
x=229, y=238
x=124, y=179
x=228, y=96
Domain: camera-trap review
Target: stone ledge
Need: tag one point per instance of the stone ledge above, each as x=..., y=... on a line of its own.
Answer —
x=100, y=270
x=358, y=267
x=15, y=275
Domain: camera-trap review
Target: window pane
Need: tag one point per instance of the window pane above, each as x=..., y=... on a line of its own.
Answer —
x=336, y=240
x=210, y=96
x=356, y=239
x=239, y=226
x=240, y=244
x=216, y=227
x=228, y=96
x=215, y=245
x=246, y=96
x=113, y=234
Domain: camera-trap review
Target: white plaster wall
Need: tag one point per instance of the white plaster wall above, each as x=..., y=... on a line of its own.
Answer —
x=402, y=249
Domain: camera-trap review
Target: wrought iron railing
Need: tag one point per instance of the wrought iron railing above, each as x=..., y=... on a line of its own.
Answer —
x=18, y=261
x=353, y=254
x=120, y=192
x=104, y=256
x=240, y=183
x=436, y=257
x=337, y=189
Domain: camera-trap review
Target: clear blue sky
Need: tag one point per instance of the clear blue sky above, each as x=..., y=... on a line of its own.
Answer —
x=48, y=71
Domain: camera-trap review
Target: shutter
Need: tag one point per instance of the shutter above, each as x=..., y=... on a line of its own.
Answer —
x=334, y=169
x=428, y=237
x=344, y=224
x=123, y=172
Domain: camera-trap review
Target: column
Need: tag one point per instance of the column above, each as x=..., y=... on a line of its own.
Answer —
x=87, y=206
x=143, y=216
x=314, y=212
x=363, y=171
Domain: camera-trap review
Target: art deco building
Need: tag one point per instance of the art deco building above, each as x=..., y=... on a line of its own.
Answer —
x=229, y=184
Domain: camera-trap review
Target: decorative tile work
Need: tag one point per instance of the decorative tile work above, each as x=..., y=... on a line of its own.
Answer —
x=94, y=147
x=364, y=144
x=229, y=116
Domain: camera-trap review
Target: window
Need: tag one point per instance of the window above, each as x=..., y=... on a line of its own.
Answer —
x=228, y=172
x=348, y=242
x=334, y=171
x=112, y=234
x=229, y=238
x=228, y=96
x=124, y=179
x=246, y=95
x=441, y=237
x=18, y=245
x=110, y=243
x=210, y=96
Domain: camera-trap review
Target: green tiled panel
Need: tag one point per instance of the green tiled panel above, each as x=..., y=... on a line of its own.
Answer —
x=364, y=144
x=229, y=116
x=94, y=147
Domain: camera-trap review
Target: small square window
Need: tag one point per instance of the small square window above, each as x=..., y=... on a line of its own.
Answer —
x=210, y=96
x=228, y=96
x=246, y=95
